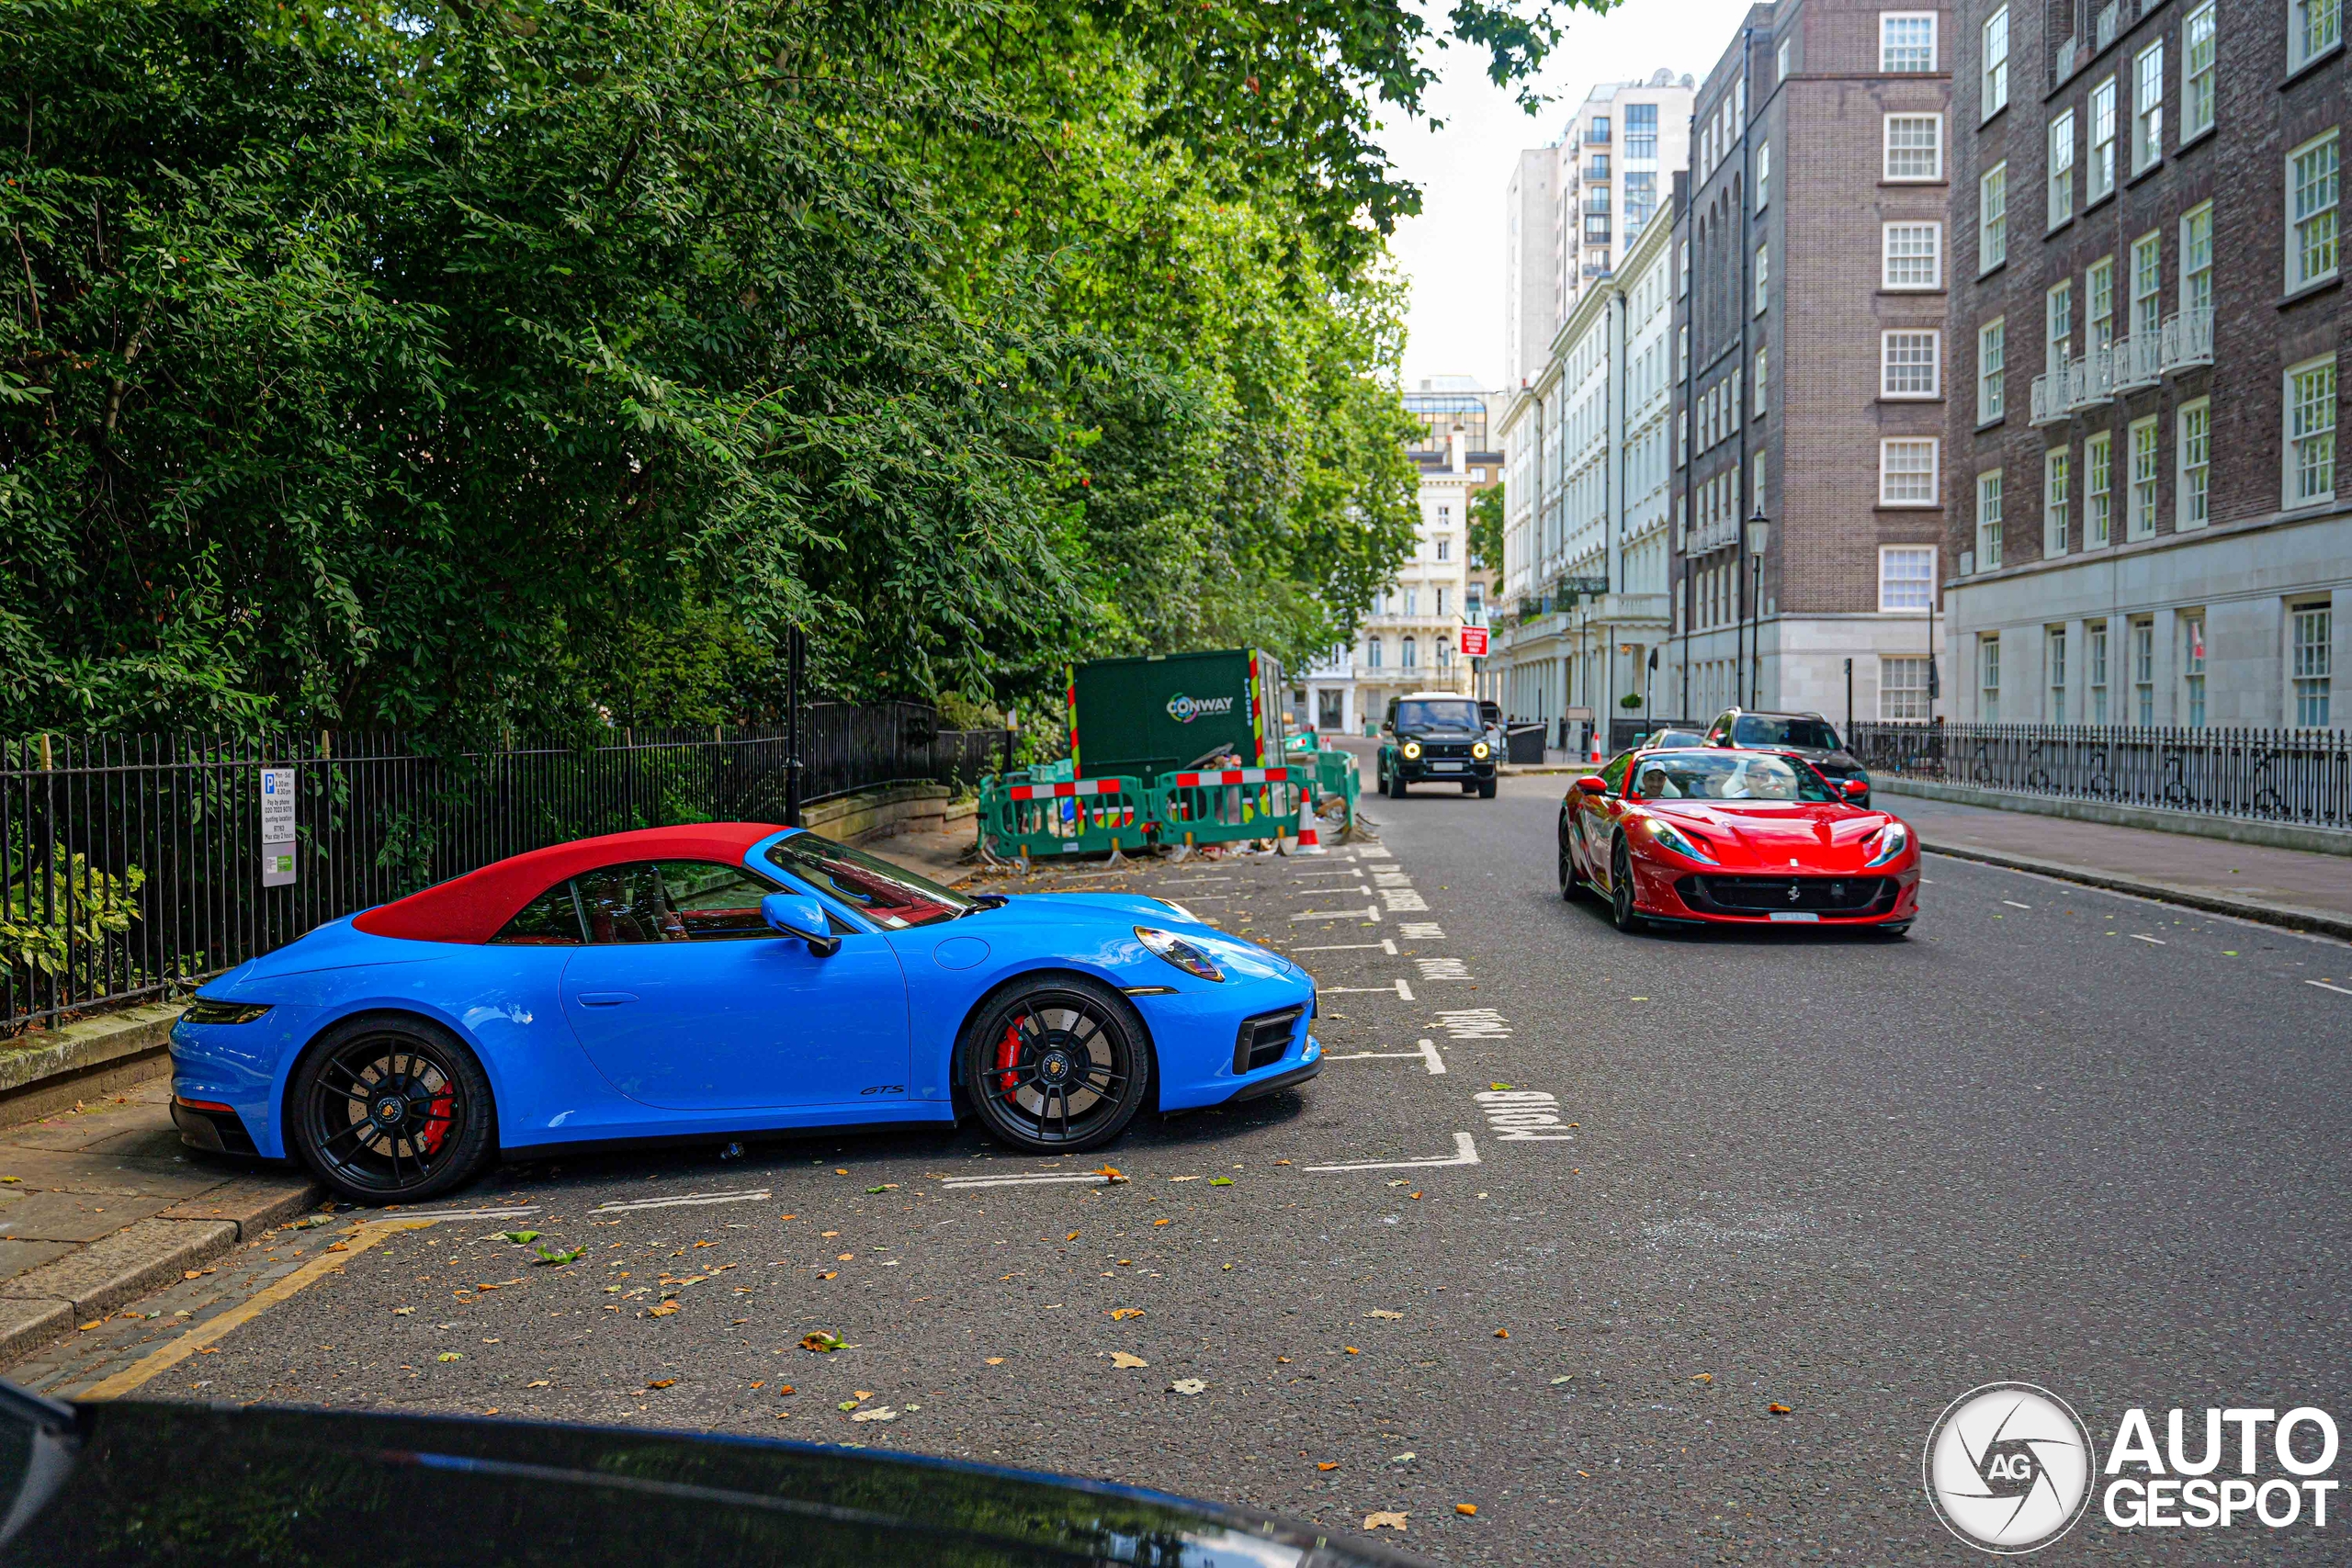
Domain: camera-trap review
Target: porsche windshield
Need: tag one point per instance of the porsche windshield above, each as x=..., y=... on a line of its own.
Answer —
x=1725, y=775
x=889, y=895
x=1420, y=716
x=1806, y=734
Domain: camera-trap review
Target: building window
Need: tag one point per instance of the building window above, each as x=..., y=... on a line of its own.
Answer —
x=1444, y=552
x=1763, y=275
x=1906, y=471
x=2196, y=258
x=2148, y=107
x=2147, y=285
x=1907, y=366
x=1780, y=61
x=2143, y=672
x=1682, y=438
x=1682, y=270
x=1988, y=521
x=2100, y=284
x=2196, y=465
x=2313, y=26
x=1906, y=578
x=2312, y=628
x=2096, y=637
x=2142, y=519
x=1474, y=601
x=1763, y=366
x=1911, y=255
x=1371, y=653
x=1412, y=601
x=1641, y=202
x=2102, y=171
x=1641, y=131
x=2054, y=639
x=1412, y=654
x=1682, y=352
x=2057, y=483
x=1994, y=87
x=2057, y=326
x=1991, y=361
x=1903, y=689
x=2310, y=213
x=2061, y=168
x=1445, y=653
x=1993, y=218
x=1915, y=147
x=2098, y=490
x=1988, y=665
x=1763, y=175
x=2311, y=433
x=1907, y=40
x=1756, y=482
x=2197, y=97
x=2192, y=668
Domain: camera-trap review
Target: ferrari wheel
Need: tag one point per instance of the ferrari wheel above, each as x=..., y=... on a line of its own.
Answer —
x=1056, y=1066
x=388, y=1112
x=1621, y=891
x=1569, y=886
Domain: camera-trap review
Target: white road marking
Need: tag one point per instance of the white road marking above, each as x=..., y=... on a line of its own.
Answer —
x=1373, y=852
x=1427, y=1053
x=1403, y=990
x=427, y=1215
x=690, y=1200
x=1036, y=1179
x=1305, y=875
x=1402, y=900
x=2325, y=986
x=2156, y=939
x=1524, y=1116
x=1369, y=912
x=1384, y=945
x=1443, y=968
x=1189, y=881
x=2015, y=905
x=1475, y=1023
x=1465, y=1152
x=1423, y=931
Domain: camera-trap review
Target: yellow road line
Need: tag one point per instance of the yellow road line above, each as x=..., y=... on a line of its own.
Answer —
x=157, y=1362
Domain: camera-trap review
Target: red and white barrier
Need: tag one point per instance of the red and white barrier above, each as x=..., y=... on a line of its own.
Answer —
x=1234, y=776
x=1048, y=792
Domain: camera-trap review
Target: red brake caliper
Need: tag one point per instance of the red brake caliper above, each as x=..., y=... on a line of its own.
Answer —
x=437, y=1124
x=1008, y=1051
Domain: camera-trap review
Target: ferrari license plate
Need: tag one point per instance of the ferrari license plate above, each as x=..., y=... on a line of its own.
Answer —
x=1445, y=767
x=1800, y=916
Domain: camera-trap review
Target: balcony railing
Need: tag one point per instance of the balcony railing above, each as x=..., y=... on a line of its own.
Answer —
x=2090, y=381
x=2139, y=361
x=2050, y=397
x=2188, y=338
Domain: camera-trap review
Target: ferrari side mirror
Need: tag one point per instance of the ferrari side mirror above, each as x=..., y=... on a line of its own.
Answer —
x=1592, y=783
x=789, y=914
x=1857, y=788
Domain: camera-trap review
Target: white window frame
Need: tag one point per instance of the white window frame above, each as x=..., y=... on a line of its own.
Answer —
x=1988, y=520
x=1891, y=369
x=1763, y=277
x=2061, y=168
x=2304, y=225
x=2147, y=283
x=1988, y=677
x=2197, y=257
x=1756, y=482
x=2053, y=670
x=2309, y=450
x=2094, y=646
x=1682, y=272
x=1992, y=370
x=1759, y=374
x=1906, y=703
x=1891, y=447
x=2098, y=490
x=2193, y=476
x=1895, y=603
x=1992, y=218
x=2098, y=324
x=2145, y=481
x=2200, y=48
x=2313, y=26
x=1887, y=22
x=2193, y=652
x=1763, y=175
x=1887, y=150
x=2099, y=176
x=2057, y=496
x=2057, y=347
x=2140, y=649
x=1993, y=80
x=2148, y=107
x=1887, y=259
x=2311, y=662
x=1780, y=61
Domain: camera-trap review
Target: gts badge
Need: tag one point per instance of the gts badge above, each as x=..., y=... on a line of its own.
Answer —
x=884, y=1088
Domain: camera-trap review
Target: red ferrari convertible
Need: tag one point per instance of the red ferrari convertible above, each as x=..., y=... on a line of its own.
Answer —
x=1719, y=837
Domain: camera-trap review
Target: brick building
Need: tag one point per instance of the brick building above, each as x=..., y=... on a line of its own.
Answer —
x=1809, y=330
x=2146, y=523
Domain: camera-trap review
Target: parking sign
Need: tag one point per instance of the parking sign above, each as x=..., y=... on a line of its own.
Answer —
x=1473, y=642
x=277, y=827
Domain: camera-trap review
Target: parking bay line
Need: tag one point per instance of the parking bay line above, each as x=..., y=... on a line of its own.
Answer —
x=1033, y=1179
x=1384, y=945
x=1399, y=989
x=1427, y=1053
x=1370, y=912
x=2325, y=986
x=1465, y=1152
x=690, y=1200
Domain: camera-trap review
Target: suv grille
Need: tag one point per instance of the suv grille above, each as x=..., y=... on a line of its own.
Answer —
x=1763, y=895
x=1263, y=1039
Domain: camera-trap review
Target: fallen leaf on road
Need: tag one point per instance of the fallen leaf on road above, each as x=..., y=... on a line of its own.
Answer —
x=1557, y=1381
x=209, y=1350
x=839, y=1170
x=860, y=1394
x=664, y=1310
x=1705, y=1377
x=189, y=1274
x=541, y=1384
x=1160, y=1222
x=1465, y=1507
x=821, y=1341
x=885, y=1187
x=518, y=1237
x=1382, y=1312
x=1351, y=1350
x=1184, y=1178
x=1112, y=1171
x=996, y=1360
x=1220, y=1181
x=1384, y=1522
x=404, y=1311
x=1121, y=1314
x=783, y=1388
x=89, y=1325
x=880, y=1413
x=1502, y=1333
x=558, y=1260
x=1407, y=1457
x=843, y=1257
x=1327, y=1465
x=663, y=1382
x=1499, y=1086
x=829, y=1232
x=449, y=1356
x=1187, y=1385
x=1122, y=1359
x=1073, y=1236
x=788, y=1216
x=830, y=1274
x=1412, y=1195
x=1779, y=1409
x=338, y=1247
x=846, y=1405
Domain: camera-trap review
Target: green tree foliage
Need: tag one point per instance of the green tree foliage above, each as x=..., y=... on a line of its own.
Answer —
x=1486, y=530
x=455, y=367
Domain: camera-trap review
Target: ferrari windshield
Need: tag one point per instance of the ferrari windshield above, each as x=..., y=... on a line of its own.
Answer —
x=1725, y=775
x=889, y=895
x=1421, y=716
x=1808, y=734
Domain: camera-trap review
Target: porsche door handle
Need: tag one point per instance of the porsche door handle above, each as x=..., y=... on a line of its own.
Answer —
x=606, y=998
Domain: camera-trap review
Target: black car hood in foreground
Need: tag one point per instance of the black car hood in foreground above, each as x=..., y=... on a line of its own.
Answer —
x=191, y=1486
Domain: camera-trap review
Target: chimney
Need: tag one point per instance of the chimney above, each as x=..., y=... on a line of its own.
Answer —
x=1456, y=454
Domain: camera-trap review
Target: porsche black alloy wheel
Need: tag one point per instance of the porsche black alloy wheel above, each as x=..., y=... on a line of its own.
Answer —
x=1621, y=890
x=1056, y=1065
x=389, y=1112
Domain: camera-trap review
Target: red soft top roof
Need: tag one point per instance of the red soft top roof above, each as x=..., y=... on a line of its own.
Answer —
x=475, y=906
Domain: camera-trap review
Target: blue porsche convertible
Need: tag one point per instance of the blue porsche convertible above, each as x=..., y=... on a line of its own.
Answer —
x=728, y=978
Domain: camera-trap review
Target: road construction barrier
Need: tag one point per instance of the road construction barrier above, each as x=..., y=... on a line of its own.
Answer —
x=1019, y=818
x=1335, y=774
x=1223, y=806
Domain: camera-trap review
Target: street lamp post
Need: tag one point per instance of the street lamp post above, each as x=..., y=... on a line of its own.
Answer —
x=1759, y=534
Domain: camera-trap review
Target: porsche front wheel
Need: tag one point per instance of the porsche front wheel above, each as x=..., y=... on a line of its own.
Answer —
x=1056, y=1066
x=390, y=1112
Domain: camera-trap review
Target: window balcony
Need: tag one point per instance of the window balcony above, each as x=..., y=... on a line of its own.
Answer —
x=2189, y=340
x=2138, y=362
x=2109, y=20
x=2050, y=398
x=2090, y=381
x=2064, y=62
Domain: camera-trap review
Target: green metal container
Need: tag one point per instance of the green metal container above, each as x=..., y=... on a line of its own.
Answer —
x=1143, y=718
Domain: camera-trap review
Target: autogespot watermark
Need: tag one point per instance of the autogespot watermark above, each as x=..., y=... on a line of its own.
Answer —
x=2009, y=1468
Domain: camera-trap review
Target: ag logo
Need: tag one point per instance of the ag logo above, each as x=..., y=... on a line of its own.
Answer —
x=2008, y=1468
x=1184, y=709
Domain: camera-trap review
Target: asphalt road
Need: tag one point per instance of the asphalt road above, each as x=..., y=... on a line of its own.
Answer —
x=2057, y=1136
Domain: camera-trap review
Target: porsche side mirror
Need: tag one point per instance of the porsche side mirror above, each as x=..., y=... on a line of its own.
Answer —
x=1592, y=783
x=789, y=914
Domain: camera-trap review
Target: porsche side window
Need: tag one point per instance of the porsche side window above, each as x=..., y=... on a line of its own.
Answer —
x=889, y=895
x=551, y=920
x=624, y=903
x=715, y=903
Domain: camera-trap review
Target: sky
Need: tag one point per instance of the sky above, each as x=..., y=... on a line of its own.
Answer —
x=1453, y=253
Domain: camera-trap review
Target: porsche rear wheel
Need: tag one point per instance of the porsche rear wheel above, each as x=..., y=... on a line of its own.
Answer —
x=390, y=1112
x=1055, y=1067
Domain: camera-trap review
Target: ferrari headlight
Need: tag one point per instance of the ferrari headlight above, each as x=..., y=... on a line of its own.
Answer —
x=1412, y=749
x=1893, y=841
x=1478, y=750
x=202, y=1011
x=1678, y=845
x=1180, y=953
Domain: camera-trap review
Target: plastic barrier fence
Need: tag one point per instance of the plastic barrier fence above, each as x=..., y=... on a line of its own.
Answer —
x=1220, y=806
x=1082, y=817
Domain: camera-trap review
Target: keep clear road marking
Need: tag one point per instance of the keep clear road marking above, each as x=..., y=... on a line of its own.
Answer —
x=1465, y=1152
x=1033, y=1179
x=1385, y=945
x=1370, y=912
x=1401, y=989
x=1524, y=1116
x=1426, y=1050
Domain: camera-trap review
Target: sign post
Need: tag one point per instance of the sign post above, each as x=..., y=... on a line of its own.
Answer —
x=278, y=827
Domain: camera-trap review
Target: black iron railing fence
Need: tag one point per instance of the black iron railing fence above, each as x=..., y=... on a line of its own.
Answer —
x=131, y=866
x=2274, y=775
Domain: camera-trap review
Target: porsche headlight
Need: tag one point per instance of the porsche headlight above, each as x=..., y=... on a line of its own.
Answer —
x=203, y=1012
x=1893, y=841
x=1478, y=750
x=1180, y=953
x=1412, y=749
x=1678, y=845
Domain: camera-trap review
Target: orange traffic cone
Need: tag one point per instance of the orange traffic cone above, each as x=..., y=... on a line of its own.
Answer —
x=1310, y=842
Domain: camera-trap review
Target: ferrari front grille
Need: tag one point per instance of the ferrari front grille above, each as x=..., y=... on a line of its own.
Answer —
x=1765, y=895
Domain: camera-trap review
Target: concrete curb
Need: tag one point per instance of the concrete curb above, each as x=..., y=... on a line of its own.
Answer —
x=2191, y=824
x=2292, y=919
x=47, y=1071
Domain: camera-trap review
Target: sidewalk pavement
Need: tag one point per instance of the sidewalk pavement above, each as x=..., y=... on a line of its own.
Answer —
x=939, y=856
x=2283, y=888
x=102, y=1205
